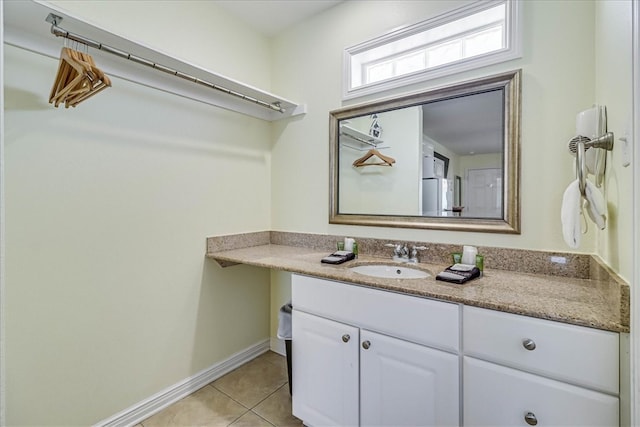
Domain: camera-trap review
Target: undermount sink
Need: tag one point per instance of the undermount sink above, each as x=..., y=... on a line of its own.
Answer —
x=390, y=271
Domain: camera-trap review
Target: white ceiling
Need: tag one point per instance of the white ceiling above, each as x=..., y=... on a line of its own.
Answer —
x=467, y=125
x=269, y=17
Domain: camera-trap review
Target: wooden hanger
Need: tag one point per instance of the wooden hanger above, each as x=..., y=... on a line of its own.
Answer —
x=102, y=82
x=362, y=161
x=73, y=76
x=64, y=76
x=78, y=79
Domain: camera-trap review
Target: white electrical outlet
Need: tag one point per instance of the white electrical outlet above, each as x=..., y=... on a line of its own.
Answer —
x=626, y=150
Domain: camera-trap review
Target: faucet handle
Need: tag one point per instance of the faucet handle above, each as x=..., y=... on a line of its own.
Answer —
x=397, y=249
x=413, y=258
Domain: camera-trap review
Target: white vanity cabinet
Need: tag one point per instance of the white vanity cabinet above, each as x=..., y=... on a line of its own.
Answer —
x=325, y=371
x=524, y=371
x=368, y=357
x=406, y=384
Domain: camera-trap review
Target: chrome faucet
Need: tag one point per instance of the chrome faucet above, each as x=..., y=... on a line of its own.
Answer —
x=400, y=251
x=413, y=259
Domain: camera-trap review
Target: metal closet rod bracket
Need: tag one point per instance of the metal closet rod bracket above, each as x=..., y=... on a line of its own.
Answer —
x=54, y=20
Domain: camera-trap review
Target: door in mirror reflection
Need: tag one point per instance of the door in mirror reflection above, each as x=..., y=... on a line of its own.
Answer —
x=484, y=195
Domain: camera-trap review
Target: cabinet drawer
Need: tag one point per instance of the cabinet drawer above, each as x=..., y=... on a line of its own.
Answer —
x=578, y=355
x=415, y=319
x=499, y=396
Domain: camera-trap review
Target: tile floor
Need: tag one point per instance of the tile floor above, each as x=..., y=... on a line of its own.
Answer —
x=254, y=395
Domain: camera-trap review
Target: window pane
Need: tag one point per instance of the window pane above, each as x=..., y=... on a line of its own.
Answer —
x=379, y=72
x=444, y=53
x=443, y=44
x=483, y=42
x=410, y=63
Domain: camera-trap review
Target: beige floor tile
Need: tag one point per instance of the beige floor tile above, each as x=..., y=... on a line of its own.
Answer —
x=251, y=420
x=252, y=382
x=274, y=357
x=277, y=409
x=205, y=407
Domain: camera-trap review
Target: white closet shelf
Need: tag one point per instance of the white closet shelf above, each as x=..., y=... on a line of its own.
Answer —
x=25, y=27
x=359, y=136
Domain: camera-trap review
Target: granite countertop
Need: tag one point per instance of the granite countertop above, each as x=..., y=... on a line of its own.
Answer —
x=585, y=302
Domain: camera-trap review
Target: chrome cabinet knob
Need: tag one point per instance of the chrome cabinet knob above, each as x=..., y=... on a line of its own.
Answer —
x=529, y=344
x=366, y=344
x=346, y=338
x=531, y=419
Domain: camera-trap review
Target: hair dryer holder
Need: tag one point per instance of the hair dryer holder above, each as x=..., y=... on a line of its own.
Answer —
x=582, y=144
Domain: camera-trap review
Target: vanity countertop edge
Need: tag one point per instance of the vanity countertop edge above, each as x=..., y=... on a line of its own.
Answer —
x=598, y=304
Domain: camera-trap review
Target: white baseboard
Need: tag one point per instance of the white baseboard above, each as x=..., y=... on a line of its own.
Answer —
x=154, y=404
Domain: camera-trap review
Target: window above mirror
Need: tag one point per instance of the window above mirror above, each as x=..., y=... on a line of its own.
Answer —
x=474, y=36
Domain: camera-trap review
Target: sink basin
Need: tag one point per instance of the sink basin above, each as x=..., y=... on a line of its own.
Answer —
x=390, y=271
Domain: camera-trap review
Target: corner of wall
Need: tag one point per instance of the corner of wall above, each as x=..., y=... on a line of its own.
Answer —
x=2, y=233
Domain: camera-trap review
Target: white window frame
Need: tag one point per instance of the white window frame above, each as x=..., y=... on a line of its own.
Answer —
x=513, y=38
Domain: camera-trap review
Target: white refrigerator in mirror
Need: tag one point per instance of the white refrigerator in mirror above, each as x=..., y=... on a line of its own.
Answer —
x=432, y=196
x=437, y=197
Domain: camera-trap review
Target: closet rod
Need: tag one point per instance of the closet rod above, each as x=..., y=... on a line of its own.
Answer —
x=60, y=32
x=362, y=140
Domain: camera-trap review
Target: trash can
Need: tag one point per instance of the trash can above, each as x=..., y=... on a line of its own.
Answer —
x=284, y=333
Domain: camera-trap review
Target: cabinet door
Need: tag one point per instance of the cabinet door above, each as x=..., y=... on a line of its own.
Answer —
x=406, y=384
x=498, y=396
x=325, y=371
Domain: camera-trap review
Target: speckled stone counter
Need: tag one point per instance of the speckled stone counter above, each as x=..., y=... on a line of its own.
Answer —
x=601, y=302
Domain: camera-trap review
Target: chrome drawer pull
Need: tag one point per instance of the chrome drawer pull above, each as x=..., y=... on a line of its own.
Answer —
x=366, y=344
x=529, y=344
x=346, y=338
x=531, y=419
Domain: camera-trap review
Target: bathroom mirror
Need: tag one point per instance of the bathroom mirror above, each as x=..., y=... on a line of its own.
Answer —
x=447, y=159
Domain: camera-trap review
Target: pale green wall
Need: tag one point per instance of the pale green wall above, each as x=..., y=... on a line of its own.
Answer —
x=384, y=190
x=280, y=295
x=557, y=36
x=3, y=394
x=614, y=89
x=109, y=298
x=559, y=80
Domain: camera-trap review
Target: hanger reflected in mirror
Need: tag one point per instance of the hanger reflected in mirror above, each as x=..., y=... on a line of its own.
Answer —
x=363, y=161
